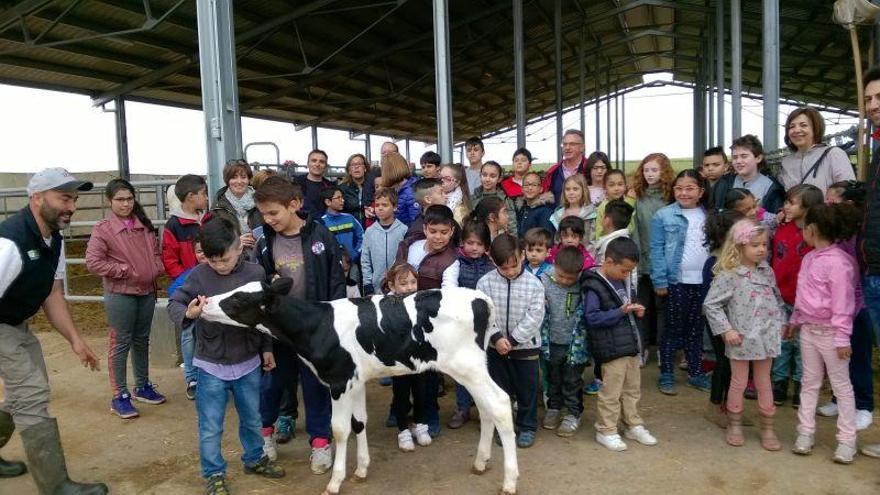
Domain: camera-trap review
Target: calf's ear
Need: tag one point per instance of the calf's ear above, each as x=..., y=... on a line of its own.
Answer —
x=281, y=286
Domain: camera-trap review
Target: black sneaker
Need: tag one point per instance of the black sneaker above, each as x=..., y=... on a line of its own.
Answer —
x=191, y=390
x=266, y=468
x=796, y=395
x=216, y=485
x=780, y=392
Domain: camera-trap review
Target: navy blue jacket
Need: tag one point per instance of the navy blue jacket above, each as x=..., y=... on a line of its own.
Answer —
x=528, y=217
x=470, y=270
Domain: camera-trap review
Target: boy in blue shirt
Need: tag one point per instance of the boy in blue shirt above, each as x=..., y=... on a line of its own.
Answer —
x=348, y=231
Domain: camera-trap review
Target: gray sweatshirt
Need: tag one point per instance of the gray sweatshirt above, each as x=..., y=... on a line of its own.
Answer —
x=379, y=250
x=561, y=312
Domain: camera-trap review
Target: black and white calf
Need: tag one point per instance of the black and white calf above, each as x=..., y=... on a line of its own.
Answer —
x=350, y=341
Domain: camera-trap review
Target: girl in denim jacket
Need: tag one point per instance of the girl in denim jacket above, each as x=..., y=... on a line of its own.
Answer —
x=677, y=258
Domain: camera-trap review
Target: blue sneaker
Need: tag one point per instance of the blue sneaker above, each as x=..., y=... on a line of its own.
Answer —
x=434, y=427
x=391, y=420
x=525, y=439
x=666, y=384
x=385, y=381
x=148, y=394
x=121, y=406
x=701, y=382
x=286, y=429
x=593, y=387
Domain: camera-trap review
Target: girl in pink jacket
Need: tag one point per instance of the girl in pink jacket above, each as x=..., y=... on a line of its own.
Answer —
x=823, y=311
x=124, y=251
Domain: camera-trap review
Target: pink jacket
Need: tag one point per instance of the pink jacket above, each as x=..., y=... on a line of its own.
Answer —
x=826, y=292
x=127, y=259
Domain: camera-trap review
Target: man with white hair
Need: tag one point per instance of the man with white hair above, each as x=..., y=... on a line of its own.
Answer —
x=31, y=272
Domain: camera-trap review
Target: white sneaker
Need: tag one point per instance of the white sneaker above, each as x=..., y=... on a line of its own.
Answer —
x=420, y=431
x=864, y=418
x=828, y=410
x=611, y=442
x=844, y=454
x=405, y=441
x=803, y=445
x=270, y=448
x=640, y=434
x=321, y=459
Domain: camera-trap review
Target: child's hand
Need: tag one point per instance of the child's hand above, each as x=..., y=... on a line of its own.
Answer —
x=661, y=292
x=194, y=309
x=789, y=331
x=732, y=337
x=247, y=240
x=268, y=361
x=502, y=345
x=639, y=310
x=844, y=352
x=780, y=217
x=369, y=212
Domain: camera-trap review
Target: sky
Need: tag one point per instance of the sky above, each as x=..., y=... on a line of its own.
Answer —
x=46, y=128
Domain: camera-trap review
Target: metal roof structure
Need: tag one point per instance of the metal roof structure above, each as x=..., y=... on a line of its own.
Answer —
x=367, y=65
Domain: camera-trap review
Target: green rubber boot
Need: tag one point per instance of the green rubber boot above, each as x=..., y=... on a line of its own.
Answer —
x=8, y=469
x=42, y=442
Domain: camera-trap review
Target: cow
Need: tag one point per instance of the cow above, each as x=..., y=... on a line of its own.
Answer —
x=350, y=341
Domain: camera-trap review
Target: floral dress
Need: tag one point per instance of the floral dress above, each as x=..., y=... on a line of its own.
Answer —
x=748, y=301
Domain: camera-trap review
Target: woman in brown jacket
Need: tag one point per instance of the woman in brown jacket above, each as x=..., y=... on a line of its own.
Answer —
x=124, y=251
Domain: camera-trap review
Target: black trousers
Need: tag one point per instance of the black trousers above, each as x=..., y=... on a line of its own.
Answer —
x=651, y=326
x=404, y=387
x=565, y=382
x=721, y=374
x=519, y=378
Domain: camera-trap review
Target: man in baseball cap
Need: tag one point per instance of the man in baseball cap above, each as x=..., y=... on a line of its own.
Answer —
x=32, y=269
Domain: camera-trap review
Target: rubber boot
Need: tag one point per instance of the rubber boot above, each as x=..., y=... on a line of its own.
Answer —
x=8, y=469
x=734, y=435
x=768, y=434
x=42, y=442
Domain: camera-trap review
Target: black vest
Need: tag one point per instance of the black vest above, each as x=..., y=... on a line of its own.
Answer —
x=608, y=343
x=32, y=286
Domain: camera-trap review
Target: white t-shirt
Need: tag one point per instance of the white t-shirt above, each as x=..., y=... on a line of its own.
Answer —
x=10, y=263
x=695, y=252
x=417, y=254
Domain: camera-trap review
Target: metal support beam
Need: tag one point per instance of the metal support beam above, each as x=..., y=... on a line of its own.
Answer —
x=557, y=61
x=719, y=67
x=443, y=80
x=314, y=130
x=608, y=116
x=710, y=76
x=771, y=74
x=736, y=67
x=617, y=127
x=122, y=139
x=519, y=74
x=219, y=87
x=406, y=142
x=598, y=101
x=581, y=84
x=368, y=147
x=623, y=131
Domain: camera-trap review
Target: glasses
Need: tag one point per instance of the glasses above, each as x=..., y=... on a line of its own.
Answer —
x=527, y=184
x=689, y=189
x=128, y=199
x=571, y=143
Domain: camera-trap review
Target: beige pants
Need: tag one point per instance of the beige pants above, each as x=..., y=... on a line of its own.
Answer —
x=23, y=371
x=621, y=387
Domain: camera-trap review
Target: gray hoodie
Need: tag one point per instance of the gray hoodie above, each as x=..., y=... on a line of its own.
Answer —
x=378, y=252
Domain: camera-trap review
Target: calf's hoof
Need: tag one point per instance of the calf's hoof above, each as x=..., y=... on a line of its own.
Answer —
x=359, y=477
x=478, y=471
x=507, y=492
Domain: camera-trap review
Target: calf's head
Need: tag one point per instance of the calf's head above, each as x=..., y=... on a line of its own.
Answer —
x=248, y=305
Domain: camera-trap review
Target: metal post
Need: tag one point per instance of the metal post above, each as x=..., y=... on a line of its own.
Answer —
x=598, y=100
x=443, y=80
x=581, y=90
x=219, y=87
x=695, y=118
x=736, y=67
x=608, y=116
x=771, y=74
x=519, y=74
x=406, y=141
x=557, y=22
x=368, y=148
x=122, y=139
x=314, y=129
x=710, y=75
x=719, y=67
x=617, y=126
x=461, y=154
x=623, y=131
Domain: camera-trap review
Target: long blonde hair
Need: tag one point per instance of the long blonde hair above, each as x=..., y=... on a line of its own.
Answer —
x=738, y=236
x=580, y=180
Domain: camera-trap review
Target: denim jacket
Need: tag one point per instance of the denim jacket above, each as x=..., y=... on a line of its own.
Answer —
x=668, y=231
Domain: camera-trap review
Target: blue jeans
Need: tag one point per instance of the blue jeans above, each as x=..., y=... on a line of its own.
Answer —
x=789, y=357
x=316, y=397
x=187, y=349
x=871, y=290
x=212, y=395
x=463, y=399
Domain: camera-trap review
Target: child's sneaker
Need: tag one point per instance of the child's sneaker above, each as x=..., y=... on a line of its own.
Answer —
x=551, y=419
x=701, y=382
x=525, y=439
x=640, y=434
x=191, y=390
x=864, y=418
x=148, y=394
x=405, y=441
x=593, y=387
x=286, y=429
x=121, y=406
x=644, y=357
x=569, y=426
x=828, y=410
x=844, y=454
x=803, y=444
x=751, y=393
x=321, y=458
x=611, y=442
x=666, y=384
x=216, y=485
x=265, y=468
x=458, y=419
x=270, y=448
x=385, y=381
x=420, y=432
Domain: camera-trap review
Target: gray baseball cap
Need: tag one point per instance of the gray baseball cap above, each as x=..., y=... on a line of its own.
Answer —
x=56, y=178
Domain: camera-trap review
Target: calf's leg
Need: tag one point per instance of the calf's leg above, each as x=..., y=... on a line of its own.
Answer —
x=340, y=423
x=359, y=425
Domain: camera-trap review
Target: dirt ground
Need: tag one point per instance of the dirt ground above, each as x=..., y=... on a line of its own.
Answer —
x=158, y=453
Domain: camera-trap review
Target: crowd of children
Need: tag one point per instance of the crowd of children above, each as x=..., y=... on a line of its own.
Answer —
x=618, y=265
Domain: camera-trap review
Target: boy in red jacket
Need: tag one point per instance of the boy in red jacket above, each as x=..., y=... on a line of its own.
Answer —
x=178, y=254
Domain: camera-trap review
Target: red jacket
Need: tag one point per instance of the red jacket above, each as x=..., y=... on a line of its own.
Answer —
x=178, y=253
x=126, y=258
x=554, y=178
x=788, y=250
x=511, y=188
